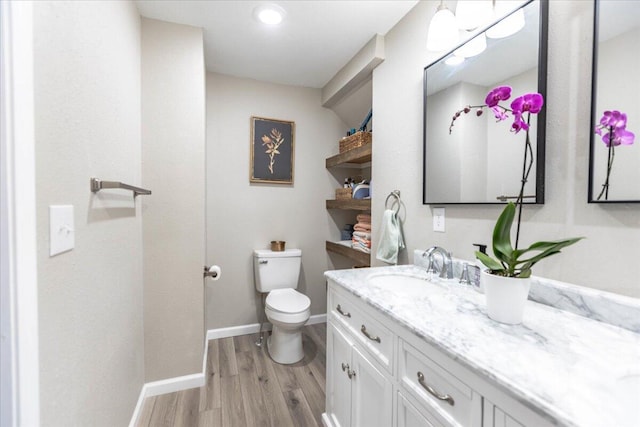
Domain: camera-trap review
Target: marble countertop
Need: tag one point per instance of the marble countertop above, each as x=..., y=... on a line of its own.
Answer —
x=573, y=370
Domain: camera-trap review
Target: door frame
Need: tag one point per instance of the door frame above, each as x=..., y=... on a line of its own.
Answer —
x=19, y=366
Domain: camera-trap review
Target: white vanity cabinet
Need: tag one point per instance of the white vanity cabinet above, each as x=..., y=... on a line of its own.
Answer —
x=358, y=392
x=379, y=373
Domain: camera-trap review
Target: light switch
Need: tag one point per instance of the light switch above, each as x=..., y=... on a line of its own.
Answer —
x=61, y=229
x=438, y=219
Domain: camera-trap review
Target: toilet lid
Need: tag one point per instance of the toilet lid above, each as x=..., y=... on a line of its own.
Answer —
x=287, y=301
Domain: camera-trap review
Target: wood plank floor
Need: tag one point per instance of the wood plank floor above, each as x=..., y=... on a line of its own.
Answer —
x=245, y=388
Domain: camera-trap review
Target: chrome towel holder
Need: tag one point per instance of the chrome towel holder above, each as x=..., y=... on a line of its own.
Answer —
x=395, y=194
x=97, y=185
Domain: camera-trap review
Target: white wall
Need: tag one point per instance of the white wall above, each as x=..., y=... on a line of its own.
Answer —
x=173, y=142
x=242, y=217
x=87, y=124
x=612, y=232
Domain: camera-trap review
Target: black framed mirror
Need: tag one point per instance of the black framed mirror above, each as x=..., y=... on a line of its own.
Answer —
x=481, y=161
x=614, y=161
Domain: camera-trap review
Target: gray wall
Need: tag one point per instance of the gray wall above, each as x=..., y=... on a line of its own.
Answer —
x=87, y=124
x=607, y=259
x=173, y=130
x=242, y=217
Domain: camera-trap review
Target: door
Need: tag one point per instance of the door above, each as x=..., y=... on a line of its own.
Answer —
x=371, y=399
x=338, y=381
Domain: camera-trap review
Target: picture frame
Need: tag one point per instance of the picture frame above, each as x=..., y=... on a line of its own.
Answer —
x=272, y=151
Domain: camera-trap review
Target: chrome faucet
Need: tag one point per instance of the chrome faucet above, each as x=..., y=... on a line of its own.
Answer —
x=446, y=272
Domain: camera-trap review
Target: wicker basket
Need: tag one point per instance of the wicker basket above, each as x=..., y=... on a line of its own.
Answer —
x=356, y=140
x=343, y=193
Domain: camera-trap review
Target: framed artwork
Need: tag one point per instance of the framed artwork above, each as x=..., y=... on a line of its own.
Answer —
x=272, y=149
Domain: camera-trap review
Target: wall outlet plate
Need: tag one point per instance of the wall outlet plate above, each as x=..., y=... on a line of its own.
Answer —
x=438, y=220
x=61, y=229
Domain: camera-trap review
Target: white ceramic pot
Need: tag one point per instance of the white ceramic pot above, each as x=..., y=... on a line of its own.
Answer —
x=506, y=297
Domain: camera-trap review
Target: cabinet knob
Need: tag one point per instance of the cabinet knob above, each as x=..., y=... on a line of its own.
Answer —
x=345, y=367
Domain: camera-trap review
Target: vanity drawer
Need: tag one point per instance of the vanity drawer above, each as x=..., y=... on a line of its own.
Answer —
x=369, y=332
x=436, y=389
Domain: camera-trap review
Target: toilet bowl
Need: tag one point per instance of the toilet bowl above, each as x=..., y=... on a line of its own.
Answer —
x=277, y=273
x=288, y=311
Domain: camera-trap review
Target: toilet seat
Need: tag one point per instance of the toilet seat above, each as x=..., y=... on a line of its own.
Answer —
x=287, y=301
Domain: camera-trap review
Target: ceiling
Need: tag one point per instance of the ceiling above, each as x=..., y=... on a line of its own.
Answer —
x=315, y=40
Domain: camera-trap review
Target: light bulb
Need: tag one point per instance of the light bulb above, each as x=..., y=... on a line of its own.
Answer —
x=454, y=60
x=270, y=14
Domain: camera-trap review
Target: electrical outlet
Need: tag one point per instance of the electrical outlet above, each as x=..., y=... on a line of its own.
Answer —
x=438, y=219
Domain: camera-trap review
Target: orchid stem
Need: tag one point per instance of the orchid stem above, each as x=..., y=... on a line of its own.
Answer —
x=526, y=169
x=610, y=156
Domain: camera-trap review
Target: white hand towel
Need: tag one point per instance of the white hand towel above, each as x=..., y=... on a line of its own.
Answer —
x=391, y=239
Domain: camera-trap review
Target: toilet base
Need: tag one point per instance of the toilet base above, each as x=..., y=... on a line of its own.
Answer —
x=285, y=346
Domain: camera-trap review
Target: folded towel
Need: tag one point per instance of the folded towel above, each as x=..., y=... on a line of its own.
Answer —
x=362, y=227
x=391, y=239
x=362, y=234
x=365, y=218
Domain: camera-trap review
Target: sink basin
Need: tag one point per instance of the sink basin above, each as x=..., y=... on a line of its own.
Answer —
x=400, y=283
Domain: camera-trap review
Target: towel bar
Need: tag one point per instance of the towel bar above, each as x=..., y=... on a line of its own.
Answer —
x=97, y=185
x=505, y=198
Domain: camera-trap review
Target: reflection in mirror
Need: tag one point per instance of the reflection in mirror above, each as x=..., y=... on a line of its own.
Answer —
x=482, y=161
x=614, y=170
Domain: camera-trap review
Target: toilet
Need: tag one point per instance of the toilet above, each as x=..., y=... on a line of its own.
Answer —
x=287, y=309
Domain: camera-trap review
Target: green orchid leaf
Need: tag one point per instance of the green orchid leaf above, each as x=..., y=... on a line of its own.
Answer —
x=491, y=263
x=502, y=248
x=547, y=248
x=524, y=273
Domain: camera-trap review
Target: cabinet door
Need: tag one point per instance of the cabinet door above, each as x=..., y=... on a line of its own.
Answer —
x=371, y=398
x=338, y=382
x=410, y=416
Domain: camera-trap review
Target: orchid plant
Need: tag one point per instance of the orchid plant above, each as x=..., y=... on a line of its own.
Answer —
x=510, y=261
x=614, y=125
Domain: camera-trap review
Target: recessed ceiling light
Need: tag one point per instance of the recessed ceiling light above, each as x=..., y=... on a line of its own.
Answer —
x=270, y=14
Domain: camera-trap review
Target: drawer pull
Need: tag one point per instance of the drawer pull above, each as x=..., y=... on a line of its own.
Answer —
x=363, y=329
x=345, y=367
x=434, y=393
x=344, y=313
x=351, y=374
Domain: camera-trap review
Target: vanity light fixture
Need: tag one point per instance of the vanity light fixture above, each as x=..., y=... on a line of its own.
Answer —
x=509, y=25
x=454, y=60
x=473, y=47
x=443, y=30
x=269, y=14
x=472, y=14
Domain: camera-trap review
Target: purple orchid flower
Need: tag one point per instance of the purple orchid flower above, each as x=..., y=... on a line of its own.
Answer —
x=501, y=93
x=530, y=103
x=499, y=113
x=620, y=137
x=614, y=119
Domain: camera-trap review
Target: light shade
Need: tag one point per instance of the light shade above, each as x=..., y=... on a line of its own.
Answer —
x=471, y=14
x=454, y=60
x=270, y=14
x=509, y=25
x=473, y=47
x=443, y=31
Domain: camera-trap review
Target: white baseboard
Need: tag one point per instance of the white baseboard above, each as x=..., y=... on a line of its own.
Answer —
x=326, y=421
x=253, y=328
x=185, y=382
x=170, y=385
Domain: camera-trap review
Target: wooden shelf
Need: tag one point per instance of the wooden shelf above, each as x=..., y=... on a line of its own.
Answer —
x=350, y=204
x=357, y=155
x=360, y=257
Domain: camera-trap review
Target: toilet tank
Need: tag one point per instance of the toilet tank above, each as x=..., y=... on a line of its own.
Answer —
x=276, y=270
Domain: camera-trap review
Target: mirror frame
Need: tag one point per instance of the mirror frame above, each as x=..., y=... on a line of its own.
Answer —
x=594, y=91
x=541, y=119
